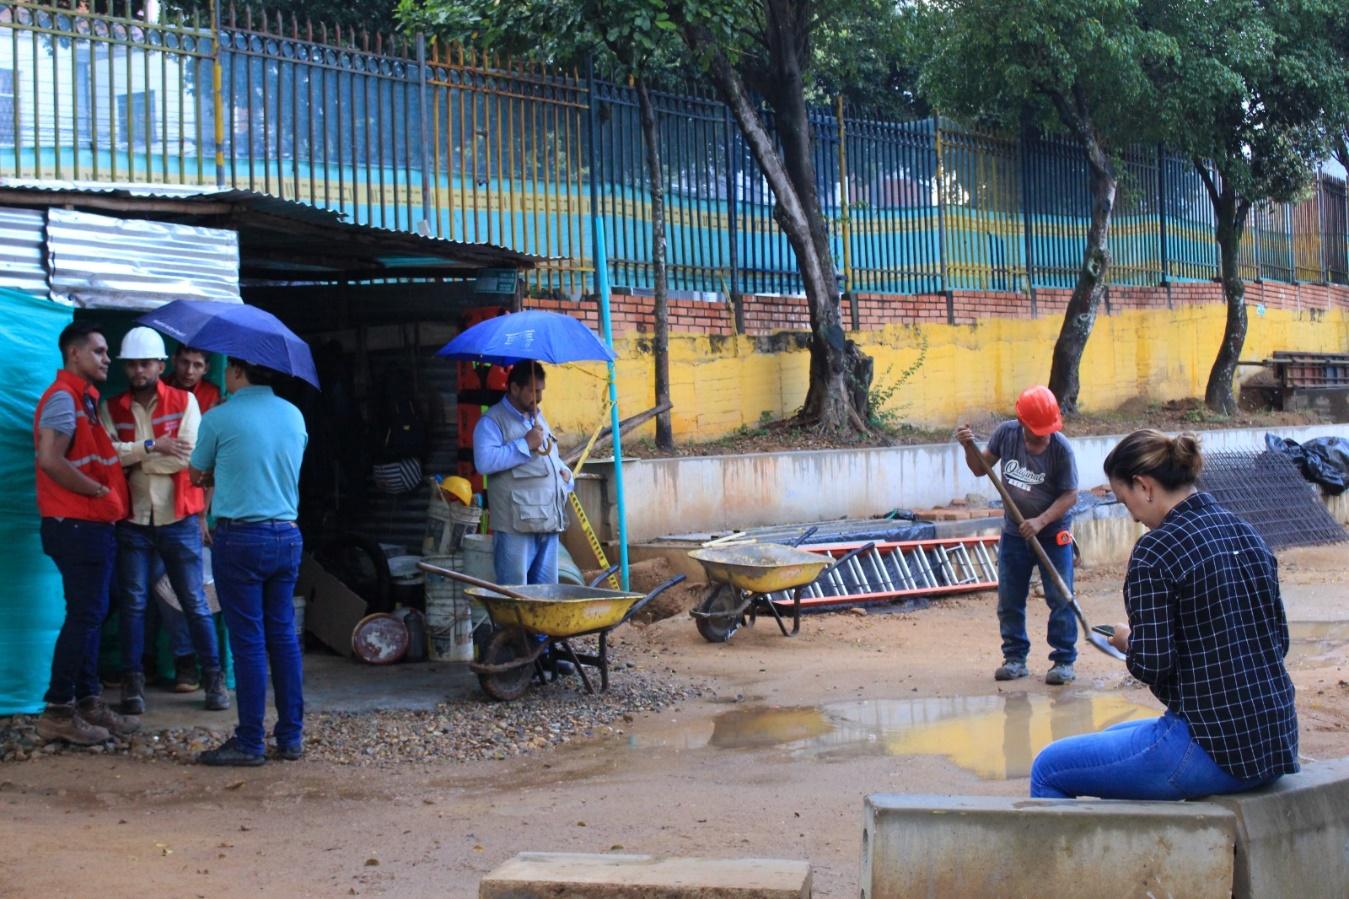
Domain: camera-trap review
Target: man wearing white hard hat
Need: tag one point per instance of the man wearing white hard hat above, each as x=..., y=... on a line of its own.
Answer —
x=154, y=428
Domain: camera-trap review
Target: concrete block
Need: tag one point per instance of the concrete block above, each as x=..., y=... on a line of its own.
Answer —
x=560, y=875
x=1293, y=836
x=994, y=846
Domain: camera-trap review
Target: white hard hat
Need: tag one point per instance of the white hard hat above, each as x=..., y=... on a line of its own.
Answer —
x=142, y=343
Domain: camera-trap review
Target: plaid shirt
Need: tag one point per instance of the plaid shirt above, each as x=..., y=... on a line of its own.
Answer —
x=1209, y=636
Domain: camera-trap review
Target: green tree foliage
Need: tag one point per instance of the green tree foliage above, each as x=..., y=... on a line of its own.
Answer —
x=1255, y=96
x=1074, y=67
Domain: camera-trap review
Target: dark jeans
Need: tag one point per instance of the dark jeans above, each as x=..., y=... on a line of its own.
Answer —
x=85, y=552
x=178, y=546
x=1016, y=560
x=256, y=566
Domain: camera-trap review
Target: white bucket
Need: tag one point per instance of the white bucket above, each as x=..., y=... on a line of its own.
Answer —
x=477, y=553
x=298, y=602
x=449, y=628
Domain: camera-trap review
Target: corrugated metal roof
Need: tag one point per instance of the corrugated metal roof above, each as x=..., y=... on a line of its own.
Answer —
x=260, y=218
x=22, y=266
x=102, y=262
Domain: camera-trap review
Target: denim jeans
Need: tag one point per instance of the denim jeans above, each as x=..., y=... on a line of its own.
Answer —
x=256, y=566
x=178, y=546
x=85, y=552
x=1016, y=560
x=1155, y=758
x=524, y=558
x=173, y=620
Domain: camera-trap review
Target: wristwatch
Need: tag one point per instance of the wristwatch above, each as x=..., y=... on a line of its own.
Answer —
x=150, y=445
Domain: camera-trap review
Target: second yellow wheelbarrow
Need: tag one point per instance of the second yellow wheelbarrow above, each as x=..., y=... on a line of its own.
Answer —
x=741, y=578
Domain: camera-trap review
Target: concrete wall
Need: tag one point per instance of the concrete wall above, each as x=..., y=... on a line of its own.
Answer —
x=721, y=493
x=722, y=383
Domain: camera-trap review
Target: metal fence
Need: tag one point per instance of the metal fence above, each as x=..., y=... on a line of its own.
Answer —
x=406, y=134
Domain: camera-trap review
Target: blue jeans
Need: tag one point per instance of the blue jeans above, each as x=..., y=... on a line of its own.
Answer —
x=256, y=566
x=524, y=558
x=85, y=552
x=1155, y=758
x=174, y=622
x=178, y=547
x=1016, y=560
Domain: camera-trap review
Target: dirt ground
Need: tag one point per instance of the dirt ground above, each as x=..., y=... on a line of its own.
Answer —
x=775, y=763
x=1140, y=412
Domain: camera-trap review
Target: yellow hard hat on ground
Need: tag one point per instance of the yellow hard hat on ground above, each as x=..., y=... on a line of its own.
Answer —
x=459, y=488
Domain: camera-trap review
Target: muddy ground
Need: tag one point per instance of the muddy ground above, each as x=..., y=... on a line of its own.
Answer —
x=774, y=761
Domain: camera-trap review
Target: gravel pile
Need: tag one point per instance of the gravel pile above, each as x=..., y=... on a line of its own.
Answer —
x=466, y=730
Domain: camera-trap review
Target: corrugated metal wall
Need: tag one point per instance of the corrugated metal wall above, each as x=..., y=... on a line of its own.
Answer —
x=100, y=262
x=22, y=264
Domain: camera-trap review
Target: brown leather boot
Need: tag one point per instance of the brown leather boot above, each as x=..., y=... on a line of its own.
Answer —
x=96, y=712
x=60, y=722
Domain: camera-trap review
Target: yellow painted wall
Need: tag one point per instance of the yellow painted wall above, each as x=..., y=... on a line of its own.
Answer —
x=721, y=384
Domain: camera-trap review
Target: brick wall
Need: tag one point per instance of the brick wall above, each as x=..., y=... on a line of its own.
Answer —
x=632, y=314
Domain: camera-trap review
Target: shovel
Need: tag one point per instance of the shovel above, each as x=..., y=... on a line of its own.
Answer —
x=1094, y=638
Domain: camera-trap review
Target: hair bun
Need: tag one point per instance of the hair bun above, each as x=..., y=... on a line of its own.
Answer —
x=1185, y=454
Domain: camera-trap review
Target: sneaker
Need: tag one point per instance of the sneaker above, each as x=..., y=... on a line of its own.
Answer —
x=133, y=693
x=61, y=722
x=96, y=712
x=1011, y=670
x=217, y=697
x=230, y=754
x=290, y=753
x=1062, y=673
x=185, y=679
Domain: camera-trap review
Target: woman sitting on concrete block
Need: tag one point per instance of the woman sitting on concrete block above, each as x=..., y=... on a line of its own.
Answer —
x=1208, y=635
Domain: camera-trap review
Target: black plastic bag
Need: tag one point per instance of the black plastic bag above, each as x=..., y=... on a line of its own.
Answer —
x=1323, y=460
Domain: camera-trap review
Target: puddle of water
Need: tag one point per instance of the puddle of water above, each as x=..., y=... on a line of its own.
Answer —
x=995, y=737
x=1315, y=642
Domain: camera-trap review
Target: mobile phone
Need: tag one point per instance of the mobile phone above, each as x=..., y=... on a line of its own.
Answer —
x=1105, y=630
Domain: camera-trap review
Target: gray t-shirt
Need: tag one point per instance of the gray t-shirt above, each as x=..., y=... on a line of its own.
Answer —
x=58, y=414
x=1033, y=481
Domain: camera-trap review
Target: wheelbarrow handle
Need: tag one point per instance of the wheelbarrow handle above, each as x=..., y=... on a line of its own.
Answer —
x=606, y=573
x=868, y=547
x=805, y=535
x=642, y=603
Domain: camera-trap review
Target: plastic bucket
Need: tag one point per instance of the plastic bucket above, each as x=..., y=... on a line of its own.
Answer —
x=449, y=628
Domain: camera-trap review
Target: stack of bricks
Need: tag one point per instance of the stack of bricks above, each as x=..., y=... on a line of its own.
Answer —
x=957, y=510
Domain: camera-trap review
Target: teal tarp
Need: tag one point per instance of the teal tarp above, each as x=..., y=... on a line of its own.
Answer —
x=31, y=603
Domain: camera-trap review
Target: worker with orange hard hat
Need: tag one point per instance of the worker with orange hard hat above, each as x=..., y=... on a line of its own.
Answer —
x=1040, y=473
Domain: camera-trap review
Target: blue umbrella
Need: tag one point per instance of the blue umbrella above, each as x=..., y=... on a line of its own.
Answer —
x=533, y=334
x=237, y=330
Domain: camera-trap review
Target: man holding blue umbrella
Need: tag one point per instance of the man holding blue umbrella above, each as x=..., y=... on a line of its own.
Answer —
x=527, y=483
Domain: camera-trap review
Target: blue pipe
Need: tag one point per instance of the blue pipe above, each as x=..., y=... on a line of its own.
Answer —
x=601, y=260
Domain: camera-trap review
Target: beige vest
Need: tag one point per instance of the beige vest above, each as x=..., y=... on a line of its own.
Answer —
x=530, y=498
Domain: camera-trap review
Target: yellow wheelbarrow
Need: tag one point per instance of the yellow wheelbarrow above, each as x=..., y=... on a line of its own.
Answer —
x=741, y=578
x=532, y=619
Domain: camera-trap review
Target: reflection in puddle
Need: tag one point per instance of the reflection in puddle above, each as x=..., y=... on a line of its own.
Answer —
x=1316, y=642
x=996, y=737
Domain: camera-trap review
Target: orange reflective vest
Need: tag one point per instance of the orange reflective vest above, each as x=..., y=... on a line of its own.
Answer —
x=91, y=451
x=168, y=416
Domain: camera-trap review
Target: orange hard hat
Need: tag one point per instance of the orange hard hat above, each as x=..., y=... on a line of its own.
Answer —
x=1039, y=411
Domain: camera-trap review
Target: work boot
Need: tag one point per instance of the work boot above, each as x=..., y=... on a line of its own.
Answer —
x=185, y=679
x=230, y=754
x=1062, y=673
x=94, y=710
x=217, y=697
x=133, y=693
x=1011, y=670
x=61, y=722
x=291, y=753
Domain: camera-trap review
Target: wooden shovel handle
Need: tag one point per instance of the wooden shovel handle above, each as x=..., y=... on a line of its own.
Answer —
x=472, y=581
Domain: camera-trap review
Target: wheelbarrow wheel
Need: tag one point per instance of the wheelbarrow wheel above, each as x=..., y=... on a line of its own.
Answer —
x=720, y=621
x=506, y=646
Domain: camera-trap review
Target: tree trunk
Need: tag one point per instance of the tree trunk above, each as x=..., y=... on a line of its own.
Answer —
x=656, y=184
x=840, y=373
x=1092, y=278
x=1229, y=211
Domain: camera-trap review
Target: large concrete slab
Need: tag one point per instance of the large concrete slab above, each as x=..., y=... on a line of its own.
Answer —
x=992, y=846
x=1293, y=836
x=558, y=875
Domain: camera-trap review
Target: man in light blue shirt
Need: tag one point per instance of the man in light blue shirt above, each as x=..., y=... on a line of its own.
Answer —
x=251, y=449
x=527, y=483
